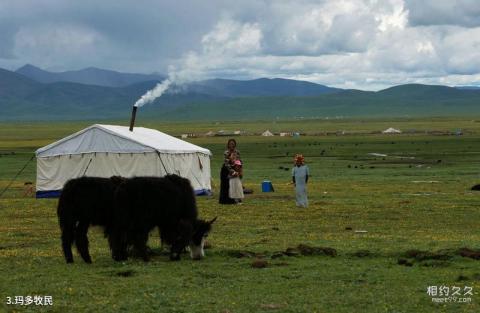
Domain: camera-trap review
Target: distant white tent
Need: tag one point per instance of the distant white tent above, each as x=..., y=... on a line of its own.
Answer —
x=108, y=150
x=267, y=133
x=392, y=131
x=210, y=133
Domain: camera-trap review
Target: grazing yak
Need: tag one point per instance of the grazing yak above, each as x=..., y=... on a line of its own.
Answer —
x=476, y=187
x=143, y=203
x=85, y=201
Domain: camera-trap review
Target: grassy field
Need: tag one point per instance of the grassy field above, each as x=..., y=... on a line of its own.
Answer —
x=416, y=197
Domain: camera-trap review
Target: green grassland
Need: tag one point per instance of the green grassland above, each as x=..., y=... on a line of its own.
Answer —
x=417, y=197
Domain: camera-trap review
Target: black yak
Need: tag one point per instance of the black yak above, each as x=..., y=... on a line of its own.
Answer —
x=143, y=203
x=84, y=201
x=476, y=187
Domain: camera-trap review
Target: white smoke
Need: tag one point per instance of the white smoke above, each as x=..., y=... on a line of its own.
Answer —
x=176, y=81
x=154, y=93
x=228, y=40
x=178, y=77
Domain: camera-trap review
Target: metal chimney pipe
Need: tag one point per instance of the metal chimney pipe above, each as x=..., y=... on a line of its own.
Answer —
x=132, y=120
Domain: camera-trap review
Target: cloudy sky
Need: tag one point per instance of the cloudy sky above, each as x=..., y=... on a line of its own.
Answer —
x=343, y=43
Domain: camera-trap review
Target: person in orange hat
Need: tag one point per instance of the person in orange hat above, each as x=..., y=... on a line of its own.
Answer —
x=300, y=173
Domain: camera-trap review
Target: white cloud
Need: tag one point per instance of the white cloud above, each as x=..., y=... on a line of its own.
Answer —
x=396, y=17
x=443, y=12
x=312, y=29
x=361, y=44
x=55, y=42
x=366, y=44
x=233, y=38
x=461, y=51
x=425, y=47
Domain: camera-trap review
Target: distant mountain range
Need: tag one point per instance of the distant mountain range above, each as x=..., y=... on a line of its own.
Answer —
x=31, y=93
x=259, y=87
x=87, y=76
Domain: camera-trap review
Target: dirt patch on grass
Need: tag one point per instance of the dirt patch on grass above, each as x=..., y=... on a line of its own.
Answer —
x=440, y=258
x=404, y=262
x=305, y=250
x=241, y=254
x=127, y=273
x=442, y=255
x=420, y=255
x=277, y=255
x=300, y=250
x=289, y=252
x=362, y=254
x=308, y=250
x=259, y=263
x=469, y=253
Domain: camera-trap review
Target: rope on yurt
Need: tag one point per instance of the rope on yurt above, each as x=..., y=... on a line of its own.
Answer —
x=161, y=161
x=88, y=165
x=16, y=176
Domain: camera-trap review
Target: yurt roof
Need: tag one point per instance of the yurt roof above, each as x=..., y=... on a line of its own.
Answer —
x=392, y=130
x=118, y=139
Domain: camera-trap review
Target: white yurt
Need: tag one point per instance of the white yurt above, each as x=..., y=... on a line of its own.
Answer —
x=267, y=133
x=392, y=131
x=110, y=150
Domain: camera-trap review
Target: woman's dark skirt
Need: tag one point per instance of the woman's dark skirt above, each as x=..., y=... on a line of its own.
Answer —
x=224, y=186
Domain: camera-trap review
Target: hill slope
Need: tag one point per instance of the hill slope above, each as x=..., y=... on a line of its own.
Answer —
x=88, y=76
x=22, y=98
x=333, y=105
x=15, y=85
x=260, y=87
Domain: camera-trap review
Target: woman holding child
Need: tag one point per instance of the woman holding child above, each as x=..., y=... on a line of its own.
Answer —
x=231, y=190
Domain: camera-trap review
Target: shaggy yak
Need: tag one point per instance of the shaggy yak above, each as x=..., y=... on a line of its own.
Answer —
x=476, y=187
x=85, y=201
x=143, y=203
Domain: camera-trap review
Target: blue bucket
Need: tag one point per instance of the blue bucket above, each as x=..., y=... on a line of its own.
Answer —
x=267, y=186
